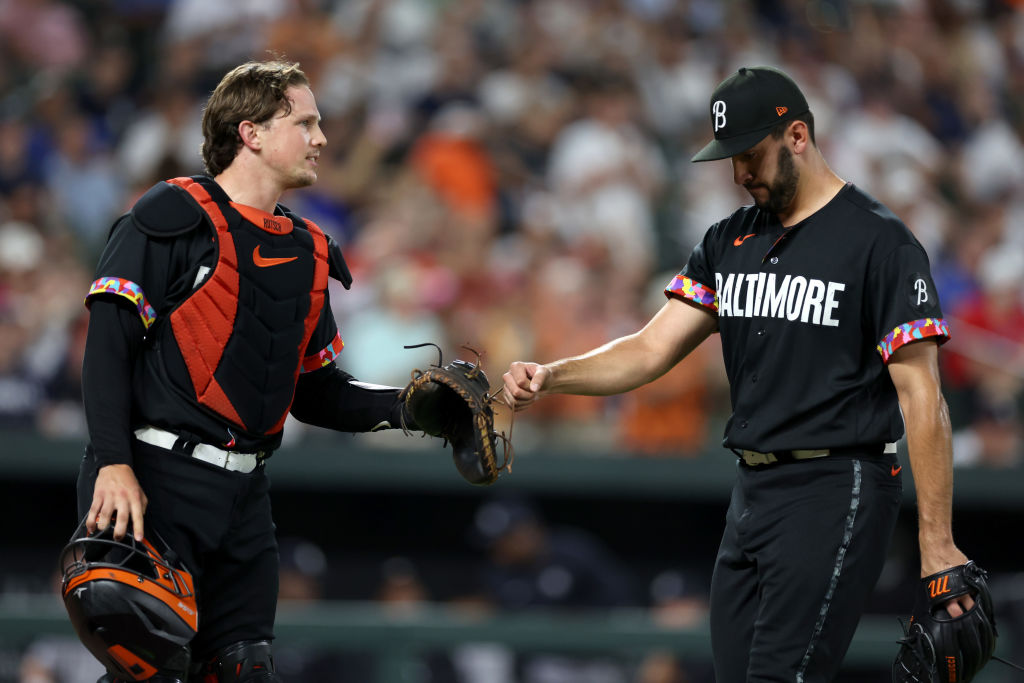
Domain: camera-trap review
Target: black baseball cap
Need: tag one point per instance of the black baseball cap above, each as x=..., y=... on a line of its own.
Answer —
x=746, y=106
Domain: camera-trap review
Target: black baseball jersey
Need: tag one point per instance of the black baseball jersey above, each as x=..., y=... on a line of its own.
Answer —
x=809, y=316
x=227, y=372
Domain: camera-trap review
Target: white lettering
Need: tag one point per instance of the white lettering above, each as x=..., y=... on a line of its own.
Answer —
x=760, y=291
x=815, y=292
x=832, y=303
x=794, y=302
x=753, y=295
x=736, y=298
x=775, y=300
x=725, y=296
x=751, y=281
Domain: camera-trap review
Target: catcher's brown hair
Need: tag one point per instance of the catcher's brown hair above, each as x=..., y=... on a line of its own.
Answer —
x=254, y=91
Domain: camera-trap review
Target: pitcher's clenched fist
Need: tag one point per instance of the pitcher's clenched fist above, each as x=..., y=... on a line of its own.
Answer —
x=524, y=383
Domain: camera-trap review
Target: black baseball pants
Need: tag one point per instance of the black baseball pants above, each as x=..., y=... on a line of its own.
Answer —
x=803, y=547
x=219, y=522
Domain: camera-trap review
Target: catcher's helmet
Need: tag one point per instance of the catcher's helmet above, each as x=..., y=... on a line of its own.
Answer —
x=131, y=602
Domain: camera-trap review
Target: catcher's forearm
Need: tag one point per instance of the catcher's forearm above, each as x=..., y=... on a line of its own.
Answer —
x=332, y=398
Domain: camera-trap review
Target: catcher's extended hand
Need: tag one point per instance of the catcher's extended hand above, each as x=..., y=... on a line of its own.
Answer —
x=939, y=648
x=453, y=402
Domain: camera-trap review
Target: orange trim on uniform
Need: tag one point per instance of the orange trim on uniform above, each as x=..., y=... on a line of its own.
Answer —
x=203, y=324
x=268, y=222
x=316, y=302
x=139, y=669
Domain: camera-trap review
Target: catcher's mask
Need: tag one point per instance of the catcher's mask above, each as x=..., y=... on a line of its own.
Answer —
x=131, y=602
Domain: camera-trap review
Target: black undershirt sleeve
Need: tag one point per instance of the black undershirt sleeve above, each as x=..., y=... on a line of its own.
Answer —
x=332, y=398
x=112, y=344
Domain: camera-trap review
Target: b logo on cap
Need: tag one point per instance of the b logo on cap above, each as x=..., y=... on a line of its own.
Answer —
x=718, y=113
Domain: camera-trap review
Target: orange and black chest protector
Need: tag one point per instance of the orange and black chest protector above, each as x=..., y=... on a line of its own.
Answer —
x=243, y=331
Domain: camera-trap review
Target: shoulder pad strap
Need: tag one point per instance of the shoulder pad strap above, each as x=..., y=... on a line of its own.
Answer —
x=338, y=268
x=166, y=210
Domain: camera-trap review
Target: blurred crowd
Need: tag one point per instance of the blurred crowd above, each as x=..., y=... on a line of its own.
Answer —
x=513, y=176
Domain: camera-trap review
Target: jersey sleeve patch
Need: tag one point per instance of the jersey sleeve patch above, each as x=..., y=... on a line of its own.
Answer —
x=691, y=290
x=127, y=289
x=325, y=357
x=912, y=331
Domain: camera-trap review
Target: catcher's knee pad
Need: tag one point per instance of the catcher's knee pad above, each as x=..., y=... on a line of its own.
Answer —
x=249, y=661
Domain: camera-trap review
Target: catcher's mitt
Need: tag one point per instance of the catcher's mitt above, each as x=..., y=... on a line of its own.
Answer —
x=938, y=648
x=453, y=402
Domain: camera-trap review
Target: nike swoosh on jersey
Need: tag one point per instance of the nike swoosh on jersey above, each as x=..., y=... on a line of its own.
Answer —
x=740, y=240
x=267, y=261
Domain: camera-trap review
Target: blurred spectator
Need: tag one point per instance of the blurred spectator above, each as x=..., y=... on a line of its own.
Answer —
x=678, y=600
x=376, y=335
x=878, y=140
x=21, y=394
x=531, y=565
x=991, y=328
x=43, y=34
x=991, y=159
x=62, y=414
x=209, y=36
x=302, y=582
x=58, y=659
x=606, y=173
x=18, y=166
x=104, y=87
x=994, y=437
x=451, y=160
x=83, y=181
x=21, y=390
x=569, y=311
x=400, y=591
x=162, y=141
x=989, y=362
x=672, y=415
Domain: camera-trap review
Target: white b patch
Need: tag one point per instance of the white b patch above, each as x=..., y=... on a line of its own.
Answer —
x=921, y=289
x=718, y=114
x=920, y=293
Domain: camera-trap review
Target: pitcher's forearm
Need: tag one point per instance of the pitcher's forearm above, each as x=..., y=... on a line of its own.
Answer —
x=617, y=367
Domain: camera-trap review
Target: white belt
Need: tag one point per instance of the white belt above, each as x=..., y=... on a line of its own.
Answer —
x=229, y=460
x=758, y=458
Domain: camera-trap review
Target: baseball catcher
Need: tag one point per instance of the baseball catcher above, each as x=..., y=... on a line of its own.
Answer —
x=937, y=647
x=453, y=402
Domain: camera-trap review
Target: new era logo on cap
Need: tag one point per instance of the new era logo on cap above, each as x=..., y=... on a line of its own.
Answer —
x=746, y=106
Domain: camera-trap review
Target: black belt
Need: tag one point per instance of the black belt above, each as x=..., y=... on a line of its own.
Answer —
x=757, y=458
